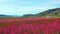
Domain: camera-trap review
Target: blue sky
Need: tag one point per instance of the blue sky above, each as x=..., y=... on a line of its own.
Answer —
x=20, y=7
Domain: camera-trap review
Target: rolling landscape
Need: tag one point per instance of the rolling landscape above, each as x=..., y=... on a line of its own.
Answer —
x=29, y=16
x=50, y=13
x=47, y=22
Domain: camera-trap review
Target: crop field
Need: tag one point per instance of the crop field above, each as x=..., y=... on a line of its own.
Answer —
x=30, y=26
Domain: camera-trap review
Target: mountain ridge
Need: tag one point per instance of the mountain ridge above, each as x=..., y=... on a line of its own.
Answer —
x=50, y=13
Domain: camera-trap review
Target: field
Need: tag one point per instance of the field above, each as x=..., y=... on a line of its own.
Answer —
x=29, y=25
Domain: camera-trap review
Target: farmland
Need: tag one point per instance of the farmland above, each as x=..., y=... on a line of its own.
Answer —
x=30, y=26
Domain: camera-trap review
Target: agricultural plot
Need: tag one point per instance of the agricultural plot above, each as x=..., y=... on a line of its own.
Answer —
x=30, y=26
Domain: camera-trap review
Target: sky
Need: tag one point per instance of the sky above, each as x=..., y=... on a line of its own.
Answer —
x=21, y=7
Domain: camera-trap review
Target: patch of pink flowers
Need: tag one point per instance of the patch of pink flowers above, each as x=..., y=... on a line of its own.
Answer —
x=38, y=26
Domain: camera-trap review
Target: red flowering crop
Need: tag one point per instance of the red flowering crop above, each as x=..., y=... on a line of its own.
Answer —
x=30, y=26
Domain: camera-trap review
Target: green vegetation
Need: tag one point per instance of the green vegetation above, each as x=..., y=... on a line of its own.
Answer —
x=2, y=24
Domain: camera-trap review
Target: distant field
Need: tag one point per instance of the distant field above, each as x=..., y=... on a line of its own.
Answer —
x=29, y=25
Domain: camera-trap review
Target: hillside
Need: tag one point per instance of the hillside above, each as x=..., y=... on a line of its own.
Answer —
x=5, y=16
x=50, y=13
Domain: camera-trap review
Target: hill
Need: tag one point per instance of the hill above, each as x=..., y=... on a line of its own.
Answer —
x=51, y=13
x=5, y=16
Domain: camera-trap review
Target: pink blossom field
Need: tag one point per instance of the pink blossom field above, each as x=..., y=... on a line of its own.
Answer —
x=30, y=26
